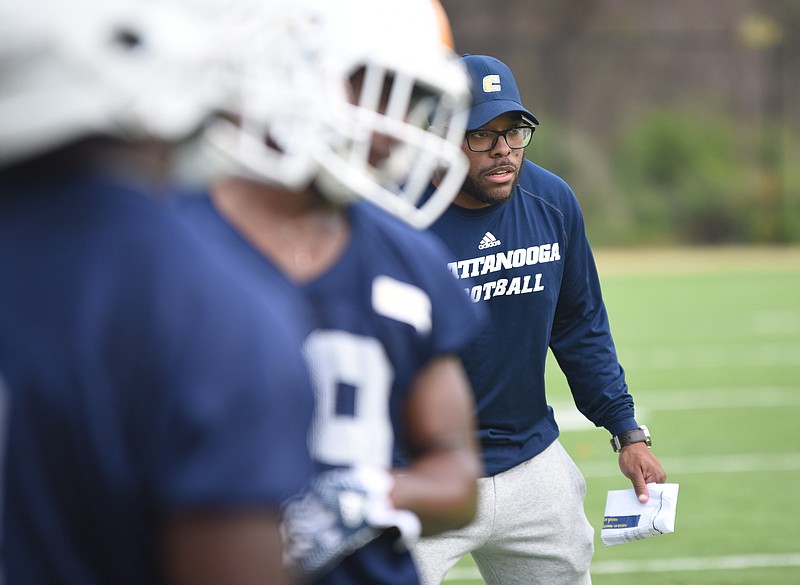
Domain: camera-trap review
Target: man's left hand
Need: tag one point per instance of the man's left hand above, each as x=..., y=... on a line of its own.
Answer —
x=638, y=464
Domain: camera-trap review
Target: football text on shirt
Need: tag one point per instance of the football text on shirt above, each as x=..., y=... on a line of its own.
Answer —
x=505, y=261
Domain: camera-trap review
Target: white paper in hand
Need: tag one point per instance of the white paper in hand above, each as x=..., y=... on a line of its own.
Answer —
x=627, y=519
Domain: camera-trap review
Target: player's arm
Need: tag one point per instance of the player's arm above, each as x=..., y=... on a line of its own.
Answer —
x=223, y=548
x=440, y=486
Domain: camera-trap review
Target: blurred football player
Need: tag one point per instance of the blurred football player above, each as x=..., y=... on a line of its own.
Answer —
x=153, y=408
x=337, y=145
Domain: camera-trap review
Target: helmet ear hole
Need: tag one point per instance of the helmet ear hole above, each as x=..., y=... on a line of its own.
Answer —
x=126, y=38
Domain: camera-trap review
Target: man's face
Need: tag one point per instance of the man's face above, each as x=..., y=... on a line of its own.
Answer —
x=492, y=174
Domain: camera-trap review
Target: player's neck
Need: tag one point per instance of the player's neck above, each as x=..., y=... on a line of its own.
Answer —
x=301, y=233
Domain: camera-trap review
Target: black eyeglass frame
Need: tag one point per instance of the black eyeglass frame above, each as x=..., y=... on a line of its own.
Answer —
x=498, y=134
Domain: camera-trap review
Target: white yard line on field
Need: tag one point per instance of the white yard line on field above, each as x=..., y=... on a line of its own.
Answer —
x=741, y=355
x=693, y=399
x=664, y=565
x=569, y=419
x=698, y=564
x=740, y=463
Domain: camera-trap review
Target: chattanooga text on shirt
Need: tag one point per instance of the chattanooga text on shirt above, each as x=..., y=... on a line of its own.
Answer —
x=518, y=258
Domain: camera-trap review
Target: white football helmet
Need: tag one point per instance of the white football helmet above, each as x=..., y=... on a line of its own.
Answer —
x=382, y=139
x=121, y=68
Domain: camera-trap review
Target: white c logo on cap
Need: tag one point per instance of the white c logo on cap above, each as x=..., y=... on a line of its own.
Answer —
x=491, y=83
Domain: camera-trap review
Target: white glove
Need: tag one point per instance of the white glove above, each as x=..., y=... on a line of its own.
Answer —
x=341, y=511
x=380, y=512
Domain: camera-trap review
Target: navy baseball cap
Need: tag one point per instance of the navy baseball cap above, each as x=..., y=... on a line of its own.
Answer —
x=494, y=91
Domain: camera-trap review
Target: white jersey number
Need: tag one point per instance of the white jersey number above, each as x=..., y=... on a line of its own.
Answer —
x=352, y=379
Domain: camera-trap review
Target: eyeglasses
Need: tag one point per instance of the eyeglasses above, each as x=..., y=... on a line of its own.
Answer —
x=485, y=140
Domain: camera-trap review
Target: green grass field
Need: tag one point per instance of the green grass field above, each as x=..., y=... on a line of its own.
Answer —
x=710, y=340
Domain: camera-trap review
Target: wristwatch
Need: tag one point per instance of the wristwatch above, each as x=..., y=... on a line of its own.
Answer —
x=640, y=435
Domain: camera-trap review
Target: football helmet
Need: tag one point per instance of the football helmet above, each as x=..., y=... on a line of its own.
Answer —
x=120, y=68
x=364, y=99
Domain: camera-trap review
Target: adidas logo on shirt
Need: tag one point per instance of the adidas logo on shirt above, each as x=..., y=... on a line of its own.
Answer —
x=488, y=241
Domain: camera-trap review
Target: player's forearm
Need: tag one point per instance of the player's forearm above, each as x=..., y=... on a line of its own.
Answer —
x=441, y=489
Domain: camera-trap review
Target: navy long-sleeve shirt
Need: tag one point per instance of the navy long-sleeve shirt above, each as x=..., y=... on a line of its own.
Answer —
x=529, y=262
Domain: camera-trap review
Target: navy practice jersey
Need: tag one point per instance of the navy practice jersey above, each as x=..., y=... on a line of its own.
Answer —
x=529, y=262
x=380, y=314
x=140, y=377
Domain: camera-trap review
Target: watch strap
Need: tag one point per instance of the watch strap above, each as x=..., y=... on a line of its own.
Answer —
x=640, y=435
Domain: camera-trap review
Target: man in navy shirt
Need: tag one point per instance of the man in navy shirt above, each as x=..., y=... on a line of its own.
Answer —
x=518, y=245
x=153, y=407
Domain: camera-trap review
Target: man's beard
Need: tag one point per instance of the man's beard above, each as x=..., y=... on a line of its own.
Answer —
x=473, y=188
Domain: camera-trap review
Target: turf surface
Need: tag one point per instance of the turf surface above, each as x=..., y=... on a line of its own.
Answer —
x=710, y=341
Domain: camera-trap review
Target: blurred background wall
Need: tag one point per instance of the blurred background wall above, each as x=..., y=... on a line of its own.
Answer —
x=675, y=122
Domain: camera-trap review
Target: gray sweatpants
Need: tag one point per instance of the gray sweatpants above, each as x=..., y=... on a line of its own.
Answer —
x=530, y=528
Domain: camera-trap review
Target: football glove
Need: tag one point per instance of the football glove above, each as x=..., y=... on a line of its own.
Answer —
x=341, y=511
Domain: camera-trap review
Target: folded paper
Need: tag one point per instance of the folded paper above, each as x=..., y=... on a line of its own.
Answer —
x=627, y=519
